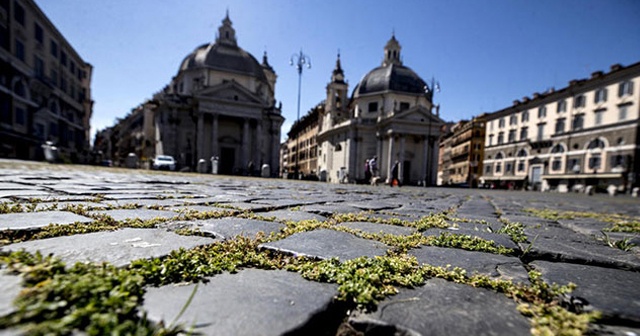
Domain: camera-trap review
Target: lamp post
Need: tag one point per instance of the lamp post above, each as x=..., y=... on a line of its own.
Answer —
x=299, y=60
x=429, y=92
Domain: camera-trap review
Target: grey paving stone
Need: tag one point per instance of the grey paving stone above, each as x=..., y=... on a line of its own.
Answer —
x=445, y=308
x=11, y=287
x=560, y=244
x=498, y=239
x=494, y=265
x=34, y=220
x=376, y=205
x=250, y=302
x=282, y=202
x=380, y=228
x=585, y=226
x=325, y=244
x=230, y=227
x=62, y=205
x=613, y=292
x=329, y=209
x=291, y=215
x=27, y=193
x=143, y=214
x=116, y=247
x=147, y=202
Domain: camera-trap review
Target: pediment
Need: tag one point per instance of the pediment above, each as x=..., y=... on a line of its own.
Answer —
x=417, y=114
x=231, y=91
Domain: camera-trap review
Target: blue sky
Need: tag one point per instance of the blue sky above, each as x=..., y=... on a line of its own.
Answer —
x=485, y=54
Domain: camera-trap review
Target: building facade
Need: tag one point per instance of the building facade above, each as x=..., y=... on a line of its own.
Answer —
x=462, y=153
x=586, y=134
x=301, y=153
x=389, y=116
x=45, y=87
x=220, y=106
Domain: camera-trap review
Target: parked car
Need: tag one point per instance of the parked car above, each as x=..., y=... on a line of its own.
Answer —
x=164, y=162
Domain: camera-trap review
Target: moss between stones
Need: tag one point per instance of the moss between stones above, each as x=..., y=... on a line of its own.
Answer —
x=618, y=222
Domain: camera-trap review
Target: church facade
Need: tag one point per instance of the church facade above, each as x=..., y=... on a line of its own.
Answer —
x=221, y=105
x=390, y=116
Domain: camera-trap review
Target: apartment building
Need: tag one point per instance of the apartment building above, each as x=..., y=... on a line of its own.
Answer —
x=301, y=149
x=45, y=87
x=462, y=153
x=583, y=135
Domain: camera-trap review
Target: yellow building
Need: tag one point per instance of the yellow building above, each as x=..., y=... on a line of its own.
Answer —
x=462, y=152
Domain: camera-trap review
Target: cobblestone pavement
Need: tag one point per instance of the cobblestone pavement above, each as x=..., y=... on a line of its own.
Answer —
x=247, y=256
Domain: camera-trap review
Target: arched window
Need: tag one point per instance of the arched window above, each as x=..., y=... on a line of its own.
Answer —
x=557, y=149
x=522, y=153
x=499, y=156
x=596, y=144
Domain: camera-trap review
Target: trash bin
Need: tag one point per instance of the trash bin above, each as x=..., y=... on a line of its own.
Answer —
x=131, y=161
x=202, y=166
x=214, y=165
x=265, y=171
x=50, y=152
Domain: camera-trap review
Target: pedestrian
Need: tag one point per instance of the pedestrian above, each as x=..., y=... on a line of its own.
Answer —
x=394, y=175
x=250, y=168
x=367, y=171
x=373, y=166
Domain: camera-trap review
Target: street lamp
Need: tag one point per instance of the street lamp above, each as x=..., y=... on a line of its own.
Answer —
x=300, y=61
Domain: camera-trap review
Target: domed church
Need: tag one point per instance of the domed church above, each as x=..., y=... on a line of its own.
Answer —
x=388, y=116
x=220, y=104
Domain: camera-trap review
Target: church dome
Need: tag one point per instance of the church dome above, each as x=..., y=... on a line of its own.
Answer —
x=224, y=54
x=393, y=77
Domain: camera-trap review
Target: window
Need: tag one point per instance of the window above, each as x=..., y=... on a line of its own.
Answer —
x=487, y=169
x=540, y=131
x=600, y=96
x=498, y=167
x=579, y=101
x=524, y=133
x=513, y=120
x=63, y=83
x=499, y=156
x=521, y=166
x=20, y=116
x=20, y=90
x=522, y=153
x=490, y=139
x=596, y=144
x=404, y=106
x=560, y=122
x=575, y=165
x=598, y=116
x=54, y=77
x=338, y=148
x=20, y=50
x=622, y=112
x=63, y=58
x=618, y=161
x=542, y=111
x=556, y=164
x=18, y=13
x=525, y=116
x=39, y=67
x=512, y=135
x=625, y=88
x=54, y=49
x=39, y=128
x=53, y=129
x=595, y=161
x=373, y=107
x=507, y=167
x=72, y=68
x=500, y=138
x=562, y=106
x=38, y=33
x=578, y=122
x=557, y=149
x=501, y=123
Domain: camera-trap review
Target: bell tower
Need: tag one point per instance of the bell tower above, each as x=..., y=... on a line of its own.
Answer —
x=392, y=52
x=336, y=103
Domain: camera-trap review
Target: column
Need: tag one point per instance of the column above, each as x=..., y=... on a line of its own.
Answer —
x=257, y=152
x=200, y=137
x=215, y=151
x=390, y=157
x=401, y=158
x=245, y=142
x=425, y=160
x=352, y=164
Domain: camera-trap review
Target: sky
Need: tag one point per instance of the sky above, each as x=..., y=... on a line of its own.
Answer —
x=484, y=54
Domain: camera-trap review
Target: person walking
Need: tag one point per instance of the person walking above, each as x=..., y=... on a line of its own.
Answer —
x=367, y=171
x=394, y=175
x=373, y=166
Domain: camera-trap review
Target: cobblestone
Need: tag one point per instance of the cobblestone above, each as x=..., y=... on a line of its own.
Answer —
x=55, y=209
